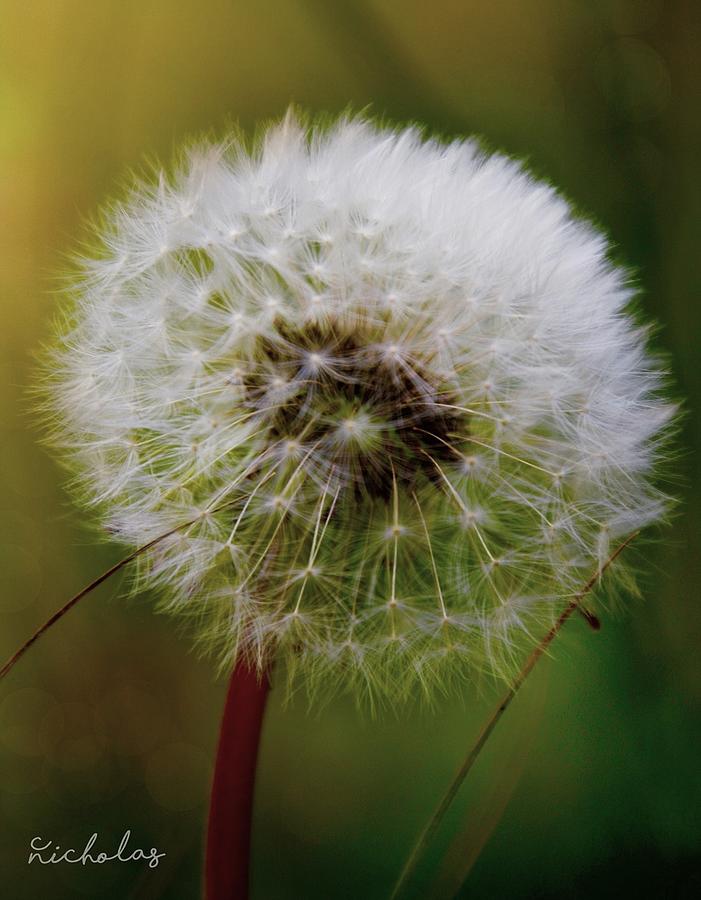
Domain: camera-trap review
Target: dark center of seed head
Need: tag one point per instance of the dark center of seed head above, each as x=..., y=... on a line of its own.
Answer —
x=310, y=381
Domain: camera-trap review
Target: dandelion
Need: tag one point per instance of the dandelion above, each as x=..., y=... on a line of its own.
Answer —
x=391, y=385
x=371, y=405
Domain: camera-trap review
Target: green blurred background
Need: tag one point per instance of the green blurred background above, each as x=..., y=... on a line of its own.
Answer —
x=592, y=785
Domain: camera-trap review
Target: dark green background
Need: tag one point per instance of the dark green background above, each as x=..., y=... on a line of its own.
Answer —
x=591, y=786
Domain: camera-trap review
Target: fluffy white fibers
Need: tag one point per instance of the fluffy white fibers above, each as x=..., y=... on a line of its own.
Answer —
x=386, y=389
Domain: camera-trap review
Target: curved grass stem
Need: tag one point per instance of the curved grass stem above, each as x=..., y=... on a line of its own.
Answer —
x=88, y=589
x=428, y=832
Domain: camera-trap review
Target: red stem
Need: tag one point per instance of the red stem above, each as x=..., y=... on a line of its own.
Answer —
x=231, y=805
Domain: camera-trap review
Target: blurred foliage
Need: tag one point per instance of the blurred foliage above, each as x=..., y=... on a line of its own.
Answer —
x=591, y=786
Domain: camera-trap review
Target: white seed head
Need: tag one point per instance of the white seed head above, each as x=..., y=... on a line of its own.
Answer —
x=392, y=385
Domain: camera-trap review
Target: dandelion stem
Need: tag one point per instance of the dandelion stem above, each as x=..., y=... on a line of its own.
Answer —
x=489, y=726
x=231, y=805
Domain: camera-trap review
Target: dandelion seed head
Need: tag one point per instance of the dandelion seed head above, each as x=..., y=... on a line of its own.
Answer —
x=391, y=383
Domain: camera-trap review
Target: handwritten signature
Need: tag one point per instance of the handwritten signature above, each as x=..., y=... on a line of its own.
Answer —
x=56, y=855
